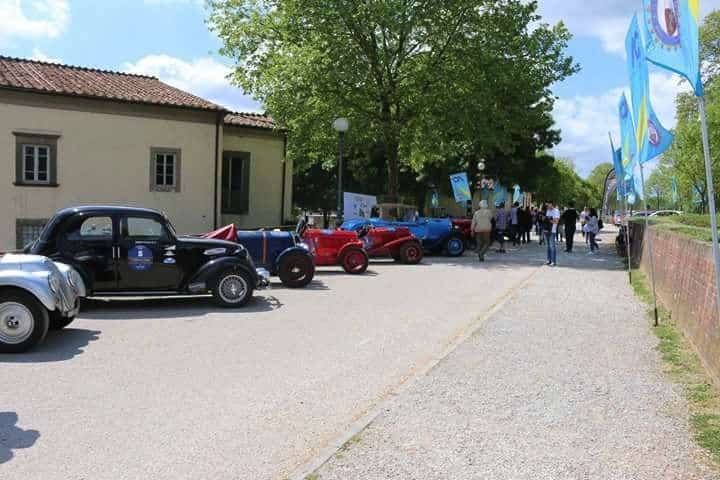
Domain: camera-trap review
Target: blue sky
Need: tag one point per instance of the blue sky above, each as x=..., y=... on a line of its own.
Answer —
x=169, y=39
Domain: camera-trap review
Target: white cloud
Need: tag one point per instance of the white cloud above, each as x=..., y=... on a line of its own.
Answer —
x=175, y=2
x=204, y=77
x=606, y=20
x=585, y=120
x=38, y=54
x=36, y=19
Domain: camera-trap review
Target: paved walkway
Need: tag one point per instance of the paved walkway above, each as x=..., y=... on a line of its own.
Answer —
x=562, y=382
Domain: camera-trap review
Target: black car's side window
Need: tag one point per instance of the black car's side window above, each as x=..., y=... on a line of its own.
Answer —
x=96, y=228
x=143, y=229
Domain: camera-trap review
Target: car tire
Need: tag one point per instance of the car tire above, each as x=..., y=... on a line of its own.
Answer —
x=58, y=322
x=24, y=321
x=296, y=270
x=355, y=261
x=455, y=246
x=411, y=253
x=232, y=288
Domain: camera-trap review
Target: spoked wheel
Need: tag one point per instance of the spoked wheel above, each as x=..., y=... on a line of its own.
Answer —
x=296, y=270
x=233, y=288
x=455, y=246
x=355, y=261
x=411, y=253
x=23, y=322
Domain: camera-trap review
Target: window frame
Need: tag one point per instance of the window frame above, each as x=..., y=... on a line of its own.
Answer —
x=21, y=223
x=177, y=164
x=36, y=141
x=36, y=164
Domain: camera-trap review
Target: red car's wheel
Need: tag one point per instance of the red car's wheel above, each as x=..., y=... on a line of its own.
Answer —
x=411, y=253
x=355, y=261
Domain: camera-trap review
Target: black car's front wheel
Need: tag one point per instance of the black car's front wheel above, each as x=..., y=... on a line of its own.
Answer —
x=232, y=288
x=296, y=270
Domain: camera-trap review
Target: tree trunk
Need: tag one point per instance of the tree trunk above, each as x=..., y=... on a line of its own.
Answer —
x=391, y=157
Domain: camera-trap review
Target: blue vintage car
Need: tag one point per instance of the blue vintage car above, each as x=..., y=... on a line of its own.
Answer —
x=437, y=235
x=281, y=253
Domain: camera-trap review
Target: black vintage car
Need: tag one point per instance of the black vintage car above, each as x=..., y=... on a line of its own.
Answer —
x=127, y=251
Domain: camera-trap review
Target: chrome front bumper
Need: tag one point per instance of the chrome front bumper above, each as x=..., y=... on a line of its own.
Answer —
x=263, y=278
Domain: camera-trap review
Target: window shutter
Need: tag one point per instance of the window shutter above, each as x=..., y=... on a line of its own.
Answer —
x=245, y=193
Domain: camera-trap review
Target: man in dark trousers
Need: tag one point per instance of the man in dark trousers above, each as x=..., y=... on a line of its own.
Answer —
x=569, y=219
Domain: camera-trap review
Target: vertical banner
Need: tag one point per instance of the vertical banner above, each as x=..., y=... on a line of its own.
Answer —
x=461, y=187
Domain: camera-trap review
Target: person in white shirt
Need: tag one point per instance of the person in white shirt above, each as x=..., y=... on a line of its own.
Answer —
x=553, y=219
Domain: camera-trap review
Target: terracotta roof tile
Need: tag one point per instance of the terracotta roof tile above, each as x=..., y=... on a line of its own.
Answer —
x=61, y=79
x=254, y=120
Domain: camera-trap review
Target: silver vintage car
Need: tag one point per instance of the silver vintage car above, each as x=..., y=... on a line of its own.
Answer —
x=36, y=294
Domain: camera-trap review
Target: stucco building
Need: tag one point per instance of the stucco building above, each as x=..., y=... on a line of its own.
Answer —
x=72, y=136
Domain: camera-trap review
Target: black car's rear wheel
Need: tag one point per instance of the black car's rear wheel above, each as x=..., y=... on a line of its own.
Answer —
x=23, y=322
x=296, y=270
x=455, y=246
x=232, y=288
x=411, y=253
x=355, y=261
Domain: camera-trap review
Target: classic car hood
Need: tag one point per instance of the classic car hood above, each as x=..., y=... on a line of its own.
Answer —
x=195, y=242
x=28, y=263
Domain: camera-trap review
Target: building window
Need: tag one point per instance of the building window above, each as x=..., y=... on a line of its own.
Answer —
x=36, y=159
x=36, y=163
x=27, y=231
x=236, y=183
x=164, y=170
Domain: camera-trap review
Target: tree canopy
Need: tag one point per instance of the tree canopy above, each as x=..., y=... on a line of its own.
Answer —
x=427, y=86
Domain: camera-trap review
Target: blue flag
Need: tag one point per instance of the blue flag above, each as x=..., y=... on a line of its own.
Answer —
x=461, y=187
x=651, y=137
x=674, y=190
x=500, y=194
x=619, y=173
x=672, y=31
x=628, y=144
x=517, y=194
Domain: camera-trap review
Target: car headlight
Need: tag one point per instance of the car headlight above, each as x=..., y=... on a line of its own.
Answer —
x=54, y=283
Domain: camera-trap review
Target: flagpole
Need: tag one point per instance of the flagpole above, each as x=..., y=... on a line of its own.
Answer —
x=627, y=238
x=711, y=195
x=650, y=246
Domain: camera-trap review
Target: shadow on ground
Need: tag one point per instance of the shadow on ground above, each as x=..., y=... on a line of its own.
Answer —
x=315, y=285
x=169, y=307
x=58, y=346
x=12, y=437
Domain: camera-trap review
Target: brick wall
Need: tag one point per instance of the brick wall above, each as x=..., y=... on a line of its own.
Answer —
x=685, y=282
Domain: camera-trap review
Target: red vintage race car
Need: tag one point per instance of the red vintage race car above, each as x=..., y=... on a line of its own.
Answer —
x=336, y=247
x=464, y=225
x=396, y=242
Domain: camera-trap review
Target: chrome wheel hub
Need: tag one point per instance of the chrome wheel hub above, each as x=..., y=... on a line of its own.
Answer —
x=16, y=323
x=233, y=288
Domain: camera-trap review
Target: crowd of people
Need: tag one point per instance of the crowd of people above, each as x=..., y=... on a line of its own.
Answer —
x=550, y=223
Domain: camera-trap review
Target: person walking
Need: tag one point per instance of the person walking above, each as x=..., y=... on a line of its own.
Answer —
x=541, y=223
x=515, y=224
x=583, y=221
x=569, y=219
x=502, y=220
x=525, y=225
x=552, y=219
x=481, y=226
x=593, y=227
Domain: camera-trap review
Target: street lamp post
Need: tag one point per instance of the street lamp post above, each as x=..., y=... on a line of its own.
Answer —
x=341, y=125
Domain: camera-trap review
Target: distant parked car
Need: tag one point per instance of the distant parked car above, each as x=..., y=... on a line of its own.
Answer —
x=396, y=242
x=282, y=253
x=127, y=251
x=437, y=235
x=36, y=294
x=665, y=213
x=336, y=247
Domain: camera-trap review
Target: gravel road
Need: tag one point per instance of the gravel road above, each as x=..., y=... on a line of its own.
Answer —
x=177, y=389
x=563, y=382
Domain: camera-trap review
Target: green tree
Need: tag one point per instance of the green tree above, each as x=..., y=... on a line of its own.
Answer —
x=561, y=183
x=420, y=81
x=596, y=182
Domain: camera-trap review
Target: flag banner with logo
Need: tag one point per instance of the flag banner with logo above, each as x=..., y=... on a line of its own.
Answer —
x=652, y=138
x=611, y=186
x=500, y=194
x=674, y=190
x=517, y=194
x=672, y=33
x=618, y=168
x=628, y=144
x=461, y=187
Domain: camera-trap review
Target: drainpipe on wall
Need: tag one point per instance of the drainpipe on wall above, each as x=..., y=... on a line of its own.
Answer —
x=284, y=181
x=218, y=121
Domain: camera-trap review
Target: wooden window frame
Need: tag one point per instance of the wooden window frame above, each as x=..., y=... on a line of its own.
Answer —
x=177, y=177
x=35, y=140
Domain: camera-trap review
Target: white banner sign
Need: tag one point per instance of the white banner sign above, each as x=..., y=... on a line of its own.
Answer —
x=357, y=205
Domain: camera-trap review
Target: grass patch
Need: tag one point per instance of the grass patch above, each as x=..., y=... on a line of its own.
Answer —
x=683, y=365
x=313, y=476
